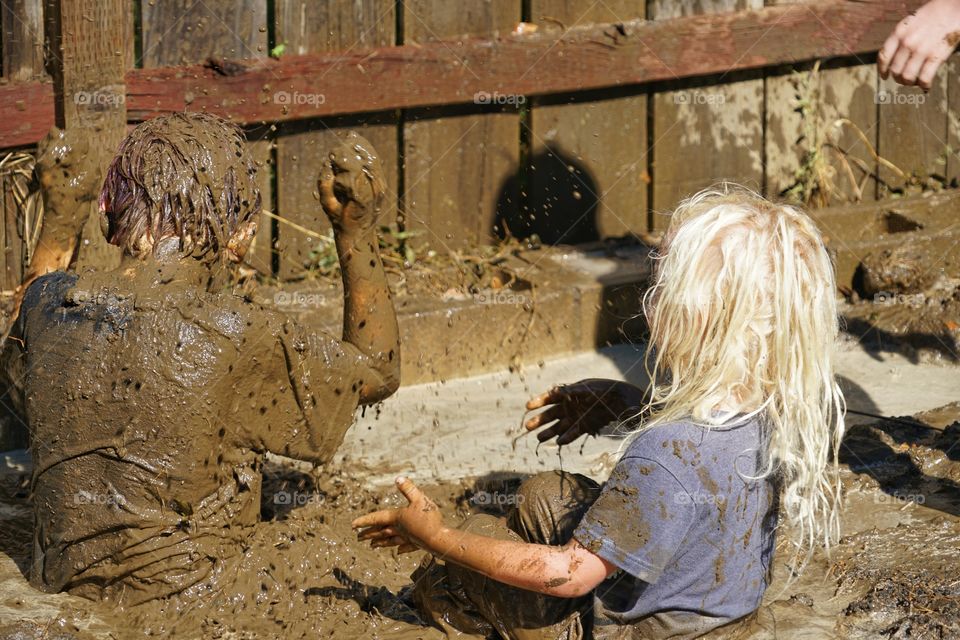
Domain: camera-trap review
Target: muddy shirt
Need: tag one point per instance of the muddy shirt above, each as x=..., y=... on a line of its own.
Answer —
x=681, y=518
x=150, y=407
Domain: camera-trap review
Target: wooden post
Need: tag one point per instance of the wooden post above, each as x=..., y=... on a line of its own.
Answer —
x=89, y=49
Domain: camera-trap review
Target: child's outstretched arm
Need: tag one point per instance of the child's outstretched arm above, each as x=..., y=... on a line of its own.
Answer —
x=569, y=571
x=351, y=188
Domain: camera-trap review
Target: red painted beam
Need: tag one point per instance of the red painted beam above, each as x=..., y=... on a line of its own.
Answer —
x=452, y=72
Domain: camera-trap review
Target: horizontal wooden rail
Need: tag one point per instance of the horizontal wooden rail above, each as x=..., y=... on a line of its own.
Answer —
x=496, y=71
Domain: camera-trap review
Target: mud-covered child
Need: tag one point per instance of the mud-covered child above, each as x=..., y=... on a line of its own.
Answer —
x=744, y=422
x=153, y=392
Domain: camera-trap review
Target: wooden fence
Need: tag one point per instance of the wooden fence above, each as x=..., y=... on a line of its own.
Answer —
x=571, y=120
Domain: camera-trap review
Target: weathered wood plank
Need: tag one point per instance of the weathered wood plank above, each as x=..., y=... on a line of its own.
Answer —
x=953, y=119
x=454, y=72
x=460, y=163
x=602, y=139
x=23, y=37
x=183, y=32
x=807, y=145
x=705, y=133
x=312, y=27
x=912, y=132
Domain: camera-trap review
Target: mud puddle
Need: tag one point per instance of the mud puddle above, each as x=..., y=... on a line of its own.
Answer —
x=893, y=575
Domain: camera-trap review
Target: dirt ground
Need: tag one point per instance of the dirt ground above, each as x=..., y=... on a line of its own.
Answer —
x=893, y=575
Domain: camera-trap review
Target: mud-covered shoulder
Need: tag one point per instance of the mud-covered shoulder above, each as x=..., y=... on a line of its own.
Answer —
x=47, y=291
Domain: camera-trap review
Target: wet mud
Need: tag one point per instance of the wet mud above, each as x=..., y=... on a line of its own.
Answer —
x=908, y=298
x=893, y=574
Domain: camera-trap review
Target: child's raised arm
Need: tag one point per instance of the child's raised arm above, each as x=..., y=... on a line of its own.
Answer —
x=569, y=571
x=351, y=188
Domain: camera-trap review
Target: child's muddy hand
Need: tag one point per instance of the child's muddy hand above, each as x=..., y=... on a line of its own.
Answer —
x=351, y=184
x=410, y=528
x=65, y=168
x=583, y=408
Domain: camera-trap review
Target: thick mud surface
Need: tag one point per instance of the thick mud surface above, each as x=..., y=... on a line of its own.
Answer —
x=894, y=573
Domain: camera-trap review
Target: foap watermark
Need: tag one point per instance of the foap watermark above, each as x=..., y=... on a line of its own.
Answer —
x=485, y=97
x=288, y=98
x=495, y=498
x=301, y=299
x=501, y=297
x=298, y=498
x=899, y=497
x=91, y=497
x=898, y=97
x=902, y=299
x=698, y=498
x=295, y=499
x=699, y=97
x=102, y=97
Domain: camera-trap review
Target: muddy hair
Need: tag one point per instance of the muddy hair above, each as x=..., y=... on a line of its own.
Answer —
x=186, y=176
x=743, y=319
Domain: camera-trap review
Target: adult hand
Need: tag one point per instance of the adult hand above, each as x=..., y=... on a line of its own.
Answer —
x=920, y=43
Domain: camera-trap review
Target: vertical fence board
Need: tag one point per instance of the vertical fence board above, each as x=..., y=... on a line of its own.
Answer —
x=305, y=27
x=913, y=131
x=838, y=92
x=708, y=133
x=602, y=138
x=176, y=32
x=461, y=162
x=953, y=119
x=802, y=146
x=23, y=39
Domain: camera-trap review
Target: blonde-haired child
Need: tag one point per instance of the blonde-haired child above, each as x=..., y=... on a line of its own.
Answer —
x=745, y=423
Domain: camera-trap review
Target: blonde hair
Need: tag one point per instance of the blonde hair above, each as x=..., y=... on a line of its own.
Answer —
x=743, y=317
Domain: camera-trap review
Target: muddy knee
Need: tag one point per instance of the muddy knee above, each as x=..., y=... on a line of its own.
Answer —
x=549, y=506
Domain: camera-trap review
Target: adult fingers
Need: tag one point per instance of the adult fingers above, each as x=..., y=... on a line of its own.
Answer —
x=928, y=72
x=911, y=70
x=885, y=55
x=899, y=61
x=407, y=547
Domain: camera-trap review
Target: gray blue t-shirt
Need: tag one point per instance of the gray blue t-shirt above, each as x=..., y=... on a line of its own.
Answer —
x=683, y=520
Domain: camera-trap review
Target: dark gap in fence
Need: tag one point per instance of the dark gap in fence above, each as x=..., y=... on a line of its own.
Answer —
x=138, y=34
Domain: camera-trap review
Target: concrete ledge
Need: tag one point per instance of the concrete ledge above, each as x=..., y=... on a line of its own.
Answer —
x=568, y=301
